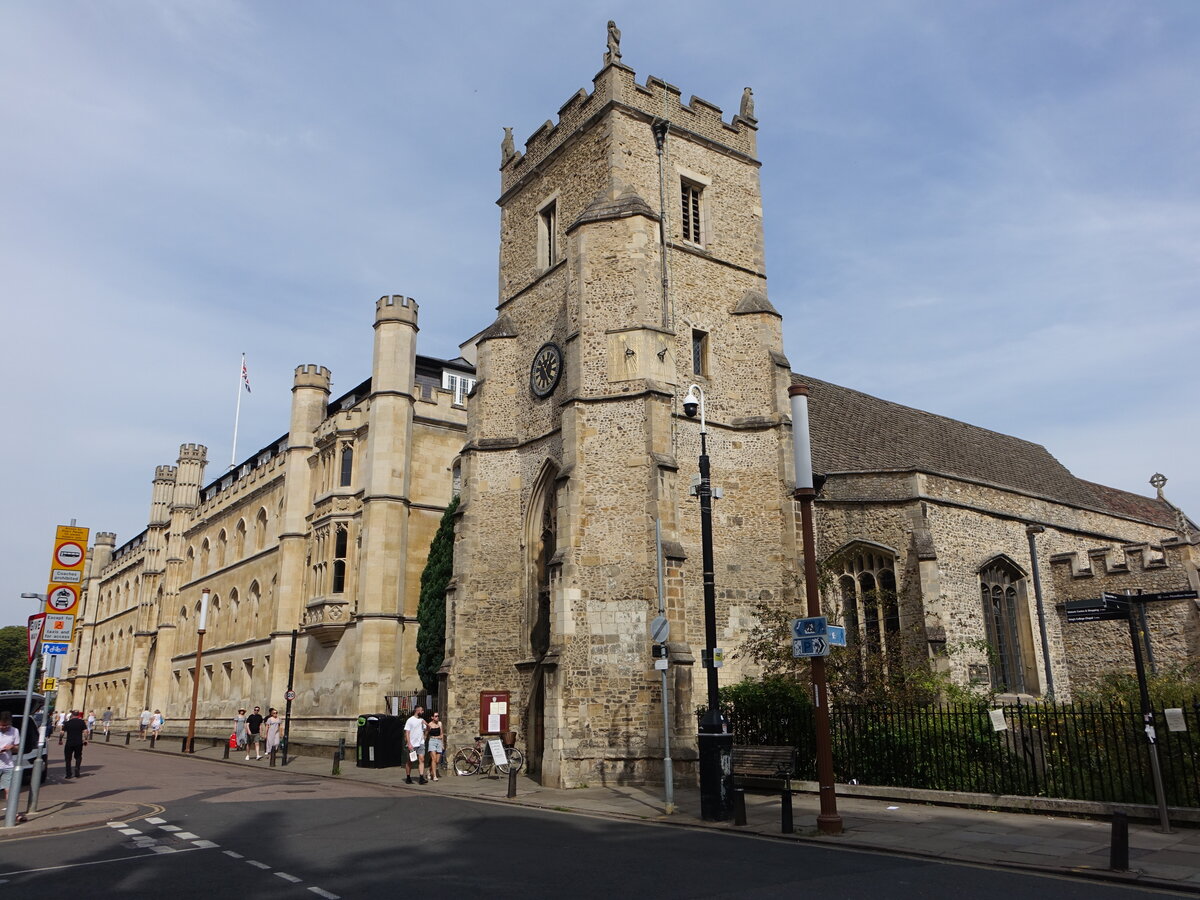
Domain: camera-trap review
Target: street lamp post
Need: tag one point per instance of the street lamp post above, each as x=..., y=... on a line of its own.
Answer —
x=828, y=820
x=191, y=735
x=715, y=741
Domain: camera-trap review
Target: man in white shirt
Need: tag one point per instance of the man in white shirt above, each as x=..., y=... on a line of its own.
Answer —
x=10, y=742
x=414, y=740
x=144, y=723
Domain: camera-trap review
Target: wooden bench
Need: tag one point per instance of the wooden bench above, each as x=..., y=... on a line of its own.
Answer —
x=755, y=761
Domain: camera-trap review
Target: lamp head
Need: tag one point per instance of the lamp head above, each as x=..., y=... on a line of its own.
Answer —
x=691, y=403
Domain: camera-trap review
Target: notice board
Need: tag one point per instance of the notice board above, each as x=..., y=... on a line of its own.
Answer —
x=493, y=712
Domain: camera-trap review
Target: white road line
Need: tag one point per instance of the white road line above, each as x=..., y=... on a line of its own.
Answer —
x=165, y=850
x=325, y=894
x=286, y=877
x=117, y=824
x=257, y=864
x=205, y=845
x=170, y=828
x=97, y=862
x=155, y=820
x=131, y=831
x=233, y=854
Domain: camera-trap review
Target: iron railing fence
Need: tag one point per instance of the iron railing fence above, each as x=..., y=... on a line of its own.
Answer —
x=1078, y=751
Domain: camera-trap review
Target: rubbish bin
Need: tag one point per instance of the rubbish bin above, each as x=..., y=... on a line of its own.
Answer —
x=367, y=750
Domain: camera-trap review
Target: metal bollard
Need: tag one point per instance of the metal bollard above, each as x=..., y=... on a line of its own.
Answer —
x=153, y=738
x=272, y=757
x=184, y=746
x=337, y=762
x=512, y=782
x=225, y=755
x=739, y=806
x=107, y=738
x=1118, y=851
x=787, y=826
x=127, y=736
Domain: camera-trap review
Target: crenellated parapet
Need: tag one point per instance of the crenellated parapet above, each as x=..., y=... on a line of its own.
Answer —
x=311, y=375
x=165, y=474
x=193, y=453
x=1128, y=560
x=616, y=85
x=396, y=308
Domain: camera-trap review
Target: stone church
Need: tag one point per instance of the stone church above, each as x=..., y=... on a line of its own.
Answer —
x=631, y=267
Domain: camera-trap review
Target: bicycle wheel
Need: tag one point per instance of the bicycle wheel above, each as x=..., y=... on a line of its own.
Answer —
x=466, y=761
x=516, y=759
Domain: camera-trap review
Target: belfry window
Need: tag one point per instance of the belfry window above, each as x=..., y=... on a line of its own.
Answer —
x=548, y=235
x=689, y=194
x=699, y=352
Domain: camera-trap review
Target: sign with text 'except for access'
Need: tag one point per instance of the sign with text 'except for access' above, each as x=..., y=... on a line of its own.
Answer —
x=59, y=628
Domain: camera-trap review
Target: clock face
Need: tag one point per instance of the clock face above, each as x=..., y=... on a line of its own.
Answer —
x=546, y=370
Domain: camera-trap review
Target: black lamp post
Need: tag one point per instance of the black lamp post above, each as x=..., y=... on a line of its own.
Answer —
x=715, y=741
x=191, y=735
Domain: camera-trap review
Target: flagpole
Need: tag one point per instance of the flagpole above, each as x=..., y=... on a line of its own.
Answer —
x=238, y=412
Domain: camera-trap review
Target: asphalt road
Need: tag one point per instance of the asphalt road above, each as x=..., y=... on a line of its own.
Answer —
x=227, y=831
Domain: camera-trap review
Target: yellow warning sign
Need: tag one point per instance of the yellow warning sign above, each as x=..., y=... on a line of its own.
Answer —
x=66, y=578
x=49, y=684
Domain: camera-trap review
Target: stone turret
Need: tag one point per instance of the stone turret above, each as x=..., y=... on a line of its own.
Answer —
x=189, y=476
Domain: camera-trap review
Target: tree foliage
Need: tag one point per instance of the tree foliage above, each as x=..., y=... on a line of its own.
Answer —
x=14, y=658
x=431, y=611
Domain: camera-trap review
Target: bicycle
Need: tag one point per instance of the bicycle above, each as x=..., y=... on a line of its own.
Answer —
x=478, y=758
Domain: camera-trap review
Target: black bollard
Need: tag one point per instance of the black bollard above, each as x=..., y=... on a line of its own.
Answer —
x=739, y=806
x=128, y=734
x=786, y=826
x=153, y=738
x=1118, y=851
x=512, y=782
x=272, y=757
x=225, y=755
x=337, y=762
x=184, y=746
x=107, y=737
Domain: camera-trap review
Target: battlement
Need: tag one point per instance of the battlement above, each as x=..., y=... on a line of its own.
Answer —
x=193, y=453
x=311, y=376
x=1133, y=560
x=395, y=308
x=106, y=537
x=165, y=473
x=616, y=85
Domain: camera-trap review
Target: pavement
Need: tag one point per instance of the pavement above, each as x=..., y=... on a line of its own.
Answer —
x=1056, y=844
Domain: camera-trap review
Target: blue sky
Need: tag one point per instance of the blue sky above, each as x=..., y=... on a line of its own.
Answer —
x=990, y=210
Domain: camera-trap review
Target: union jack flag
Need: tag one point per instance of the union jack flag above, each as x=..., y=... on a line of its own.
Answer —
x=245, y=375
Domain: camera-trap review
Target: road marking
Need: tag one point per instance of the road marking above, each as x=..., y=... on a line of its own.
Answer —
x=130, y=831
x=155, y=820
x=286, y=877
x=117, y=824
x=325, y=894
x=97, y=862
x=170, y=828
x=165, y=850
x=257, y=864
x=186, y=836
x=233, y=854
x=204, y=845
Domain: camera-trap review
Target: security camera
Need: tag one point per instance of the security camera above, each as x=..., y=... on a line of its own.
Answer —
x=691, y=403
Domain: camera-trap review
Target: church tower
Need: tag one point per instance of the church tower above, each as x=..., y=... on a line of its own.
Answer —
x=577, y=442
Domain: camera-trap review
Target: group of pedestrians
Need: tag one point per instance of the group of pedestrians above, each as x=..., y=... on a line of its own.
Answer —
x=423, y=736
x=150, y=724
x=255, y=732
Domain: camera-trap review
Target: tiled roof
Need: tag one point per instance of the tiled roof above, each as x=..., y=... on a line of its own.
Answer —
x=855, y=432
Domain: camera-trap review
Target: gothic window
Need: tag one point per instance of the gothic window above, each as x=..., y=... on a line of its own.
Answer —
x=341, y=540
x=456, y=480
x=542, y=545
x=239, y=539
x=260, y=529
x=220, y=549
x=689, y=194
x=870, y=607
x=204, y=553
x=1001, y=589
x=347, y=466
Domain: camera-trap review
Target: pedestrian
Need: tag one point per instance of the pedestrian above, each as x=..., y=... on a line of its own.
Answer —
x=144, y=723
x=10, y=742
x=60, y=719
x=156, y=723
x=414, y=738
x=274, y=731
x=106, y=720
x=253, y=724
x=239, y=729
x=437, y=744
x=91, y=723
x=76, y=732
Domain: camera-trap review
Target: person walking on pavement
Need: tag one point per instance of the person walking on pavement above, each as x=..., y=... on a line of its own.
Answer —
x=10, y=742
x=414, y=738
x=144, y=723
x=156, y=723
x=60, y=719
x=274, y=730
x=91, y=723
x=106, y=720
x=253, y=724
x=76, y=733
x=437, y=744
x=239, y=729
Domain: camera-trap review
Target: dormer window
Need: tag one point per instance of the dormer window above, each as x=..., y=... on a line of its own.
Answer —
x=461, y=385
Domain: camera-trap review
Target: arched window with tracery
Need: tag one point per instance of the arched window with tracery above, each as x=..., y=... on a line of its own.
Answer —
x=1002, y=589
x=346, y=476
x=541, y=546
x=866, y=578
x=260, y=529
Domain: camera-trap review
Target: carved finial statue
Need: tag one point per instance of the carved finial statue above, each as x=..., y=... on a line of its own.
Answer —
x=747, y=108
x=507, y=150
x=614, y=43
